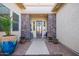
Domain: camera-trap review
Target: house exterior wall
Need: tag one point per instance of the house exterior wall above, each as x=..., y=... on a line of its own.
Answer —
x=14, y=8
x=68, y=26
x=25, y=25
x=51, y=29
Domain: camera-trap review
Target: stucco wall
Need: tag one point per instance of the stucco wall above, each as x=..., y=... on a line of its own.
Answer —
x=68, y=26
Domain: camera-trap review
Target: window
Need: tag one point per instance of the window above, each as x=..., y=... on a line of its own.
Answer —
x=15, y=24
x=4, y=11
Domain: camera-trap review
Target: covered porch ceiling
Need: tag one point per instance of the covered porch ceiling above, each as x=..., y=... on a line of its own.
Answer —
x=39, y=8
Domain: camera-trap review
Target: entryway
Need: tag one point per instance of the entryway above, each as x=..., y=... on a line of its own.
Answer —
x=38, y=26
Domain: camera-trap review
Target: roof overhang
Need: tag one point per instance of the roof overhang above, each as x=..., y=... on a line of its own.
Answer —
x=21, y=6
x=57, y=7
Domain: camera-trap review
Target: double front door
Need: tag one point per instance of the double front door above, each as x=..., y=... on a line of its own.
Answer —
x=39, y=28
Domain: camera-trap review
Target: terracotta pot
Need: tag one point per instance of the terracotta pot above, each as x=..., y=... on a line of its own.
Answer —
x=23, y=40
x=50, y=39
x=9, y=38
x=55, y=41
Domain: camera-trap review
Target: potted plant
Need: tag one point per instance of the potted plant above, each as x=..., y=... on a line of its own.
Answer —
x=8, y=42
x=50, y=39
x=55, y=41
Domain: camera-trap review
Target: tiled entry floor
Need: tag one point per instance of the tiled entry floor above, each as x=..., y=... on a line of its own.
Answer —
x=42, y=47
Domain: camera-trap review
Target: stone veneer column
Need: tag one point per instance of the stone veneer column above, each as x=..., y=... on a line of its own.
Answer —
x=51, y=29
x=25, y=25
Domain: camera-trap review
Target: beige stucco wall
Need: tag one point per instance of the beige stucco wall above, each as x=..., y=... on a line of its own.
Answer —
x=67, y=24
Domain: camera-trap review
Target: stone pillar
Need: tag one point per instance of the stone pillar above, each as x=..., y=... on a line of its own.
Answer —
x=25, y=26
x=51, y=29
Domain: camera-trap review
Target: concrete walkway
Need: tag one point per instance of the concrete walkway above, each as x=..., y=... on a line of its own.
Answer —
x=38, y=47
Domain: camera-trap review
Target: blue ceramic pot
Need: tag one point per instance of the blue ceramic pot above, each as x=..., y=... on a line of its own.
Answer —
x=8, y=47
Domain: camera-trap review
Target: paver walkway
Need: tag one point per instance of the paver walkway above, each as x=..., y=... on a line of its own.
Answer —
x=38, y=47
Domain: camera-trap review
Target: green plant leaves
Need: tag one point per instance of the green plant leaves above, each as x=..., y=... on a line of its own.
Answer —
x=5, y=23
